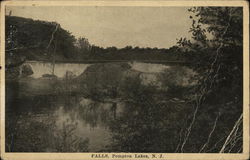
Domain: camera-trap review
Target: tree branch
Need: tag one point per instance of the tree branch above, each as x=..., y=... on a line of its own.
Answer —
x=229, y=137
x=52, y=36
x=210, y=134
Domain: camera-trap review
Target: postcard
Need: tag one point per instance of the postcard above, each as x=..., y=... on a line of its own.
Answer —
x=99, y=80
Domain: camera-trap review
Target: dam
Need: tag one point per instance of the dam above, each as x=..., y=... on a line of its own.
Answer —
x=40, y=68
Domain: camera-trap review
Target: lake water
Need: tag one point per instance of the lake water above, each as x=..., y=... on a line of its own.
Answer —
x=76, y=123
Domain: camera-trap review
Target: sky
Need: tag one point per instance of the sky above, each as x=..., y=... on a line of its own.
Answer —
x=115, y=26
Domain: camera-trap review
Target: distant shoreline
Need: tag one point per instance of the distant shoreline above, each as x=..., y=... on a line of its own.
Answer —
x=115, y=61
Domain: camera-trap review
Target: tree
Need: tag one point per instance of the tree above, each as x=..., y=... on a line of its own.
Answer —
x=216, y=51
x=33, y=39
x=83, y=44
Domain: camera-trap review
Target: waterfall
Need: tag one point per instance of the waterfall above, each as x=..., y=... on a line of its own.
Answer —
x=148, y=67
x=41, y=68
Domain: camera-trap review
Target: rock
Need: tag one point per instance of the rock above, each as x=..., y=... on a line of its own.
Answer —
x=26, y=70
x=51, y=76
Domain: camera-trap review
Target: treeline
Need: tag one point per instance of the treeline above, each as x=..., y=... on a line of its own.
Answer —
x=131, y=53
x=28, y=39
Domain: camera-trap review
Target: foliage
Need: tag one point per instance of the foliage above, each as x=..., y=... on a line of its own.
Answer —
x=216, y=50
x=41, y=132
x=102, y=80
x=149, y=123
x=67, y=141
x=30, y=39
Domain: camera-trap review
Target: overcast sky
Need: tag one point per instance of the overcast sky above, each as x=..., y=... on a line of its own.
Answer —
x=116, y=26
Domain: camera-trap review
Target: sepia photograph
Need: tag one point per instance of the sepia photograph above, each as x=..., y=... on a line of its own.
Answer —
x=129, y=81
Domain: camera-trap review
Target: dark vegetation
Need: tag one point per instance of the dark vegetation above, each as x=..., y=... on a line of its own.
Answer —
x=203, y=117
x=31, y=40
x=219, y=93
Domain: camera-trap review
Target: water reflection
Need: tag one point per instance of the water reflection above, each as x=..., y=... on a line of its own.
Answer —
x=66, y=116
